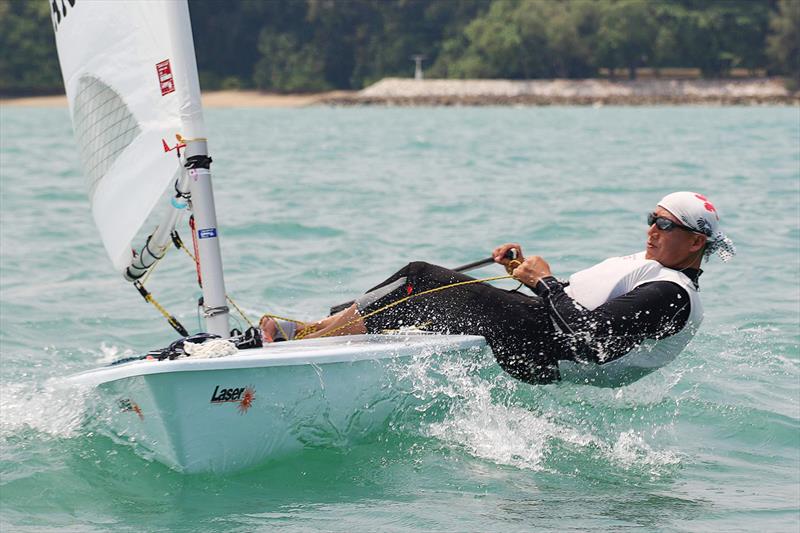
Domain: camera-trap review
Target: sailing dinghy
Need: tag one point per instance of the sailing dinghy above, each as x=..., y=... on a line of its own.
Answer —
x=134, y=97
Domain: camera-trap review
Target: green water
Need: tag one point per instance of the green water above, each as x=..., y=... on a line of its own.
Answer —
x=316, y=205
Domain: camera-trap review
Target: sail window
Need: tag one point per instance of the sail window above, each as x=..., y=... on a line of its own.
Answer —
x=104, y=127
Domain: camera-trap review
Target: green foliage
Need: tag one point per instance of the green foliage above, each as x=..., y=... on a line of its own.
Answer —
x=287, y=66
x=226, y=35
x=784, y=43
x=572, y=39
x=626, y=35
x=728, y=34
x=315, y=45
x=524, y=39
x=28, y=62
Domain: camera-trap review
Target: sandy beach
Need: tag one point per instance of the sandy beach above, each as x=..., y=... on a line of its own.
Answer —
x=410, y=92
x=403, y=91
x=211, y=99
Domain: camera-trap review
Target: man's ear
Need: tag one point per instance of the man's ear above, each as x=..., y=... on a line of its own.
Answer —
x=698, y=242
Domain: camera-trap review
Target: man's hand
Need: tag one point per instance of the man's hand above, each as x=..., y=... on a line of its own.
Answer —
x=531, y=271
x=500, y=256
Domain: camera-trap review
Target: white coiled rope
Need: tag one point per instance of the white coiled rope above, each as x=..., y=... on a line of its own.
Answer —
x=210, y=349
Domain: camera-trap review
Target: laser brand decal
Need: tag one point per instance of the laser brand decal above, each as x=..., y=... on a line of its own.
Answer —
x=247, y=400
x=207, y=233
x=165, y=78
x=60, y=10
x=244, y=396
x=126, y=405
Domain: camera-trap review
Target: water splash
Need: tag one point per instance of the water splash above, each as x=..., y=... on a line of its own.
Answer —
x=480, y=410
x=110, y=353
x=48, y=406
x=631, y=449
x=48, y=409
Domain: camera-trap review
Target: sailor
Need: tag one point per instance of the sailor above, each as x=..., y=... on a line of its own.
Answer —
x=608, y=325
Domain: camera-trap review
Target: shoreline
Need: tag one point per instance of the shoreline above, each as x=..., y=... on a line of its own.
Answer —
x=405, y=92
x=591, y=92
x=211, y=99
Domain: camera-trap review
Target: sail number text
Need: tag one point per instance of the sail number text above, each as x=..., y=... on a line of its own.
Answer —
x=60, y=10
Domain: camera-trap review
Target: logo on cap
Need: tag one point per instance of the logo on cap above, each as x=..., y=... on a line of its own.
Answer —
x=708, y=205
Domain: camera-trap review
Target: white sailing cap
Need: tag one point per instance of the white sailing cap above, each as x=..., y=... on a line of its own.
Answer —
x=695, y=211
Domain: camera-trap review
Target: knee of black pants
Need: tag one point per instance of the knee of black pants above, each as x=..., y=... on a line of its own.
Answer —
x=409, y=271
x=423, y=276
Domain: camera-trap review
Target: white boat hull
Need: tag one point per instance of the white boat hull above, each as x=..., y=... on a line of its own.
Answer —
x=231, y=413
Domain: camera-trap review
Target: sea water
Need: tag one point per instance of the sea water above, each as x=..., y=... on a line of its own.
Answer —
x=316, y=205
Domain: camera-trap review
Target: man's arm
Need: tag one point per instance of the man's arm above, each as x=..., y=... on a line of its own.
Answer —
x=651, y=311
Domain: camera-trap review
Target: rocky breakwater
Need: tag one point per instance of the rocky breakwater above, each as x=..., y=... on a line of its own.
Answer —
x=410, y=92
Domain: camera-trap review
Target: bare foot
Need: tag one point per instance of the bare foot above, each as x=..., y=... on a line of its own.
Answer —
x=346, y=322
x=272, y=330
x=268, y=329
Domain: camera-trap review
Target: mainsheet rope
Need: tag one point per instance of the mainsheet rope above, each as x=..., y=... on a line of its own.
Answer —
x=312, y=327
x=309, y=328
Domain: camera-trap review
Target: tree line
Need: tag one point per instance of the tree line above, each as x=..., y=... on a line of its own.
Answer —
x=316, y=45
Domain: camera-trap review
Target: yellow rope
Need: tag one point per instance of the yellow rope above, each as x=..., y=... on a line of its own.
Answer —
x=311, y=328
x=238, y=309
x=185, y=249
x=406, y=298
x=308, y=330
x=158, y=306
x=298, y=335
x=269, y=315
x=148, y=297
x=283, y=331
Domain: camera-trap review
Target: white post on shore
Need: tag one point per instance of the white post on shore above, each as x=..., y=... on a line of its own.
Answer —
x=418, y=59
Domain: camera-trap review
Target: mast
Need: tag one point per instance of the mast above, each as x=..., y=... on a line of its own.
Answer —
x=198, y=165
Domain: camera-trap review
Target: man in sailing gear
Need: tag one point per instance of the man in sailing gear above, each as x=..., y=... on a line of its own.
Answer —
x=697, y=213
x=609, y=325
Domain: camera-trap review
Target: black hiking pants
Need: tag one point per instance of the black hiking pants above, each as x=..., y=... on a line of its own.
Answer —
x=516, y=326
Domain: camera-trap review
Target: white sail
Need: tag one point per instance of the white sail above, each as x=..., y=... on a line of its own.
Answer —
x=131, y=81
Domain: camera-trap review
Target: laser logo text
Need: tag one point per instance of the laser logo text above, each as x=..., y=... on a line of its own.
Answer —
x=244, y=396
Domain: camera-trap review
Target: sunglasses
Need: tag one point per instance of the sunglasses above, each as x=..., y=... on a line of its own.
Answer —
x=665, y=224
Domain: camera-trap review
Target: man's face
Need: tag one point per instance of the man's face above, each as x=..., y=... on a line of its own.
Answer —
x=673, y=249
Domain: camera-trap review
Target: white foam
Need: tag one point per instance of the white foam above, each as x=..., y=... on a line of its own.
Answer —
x=109, y=354
x=502, y=434
x=486, y=418
x=631, y=449
x=49, y=409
